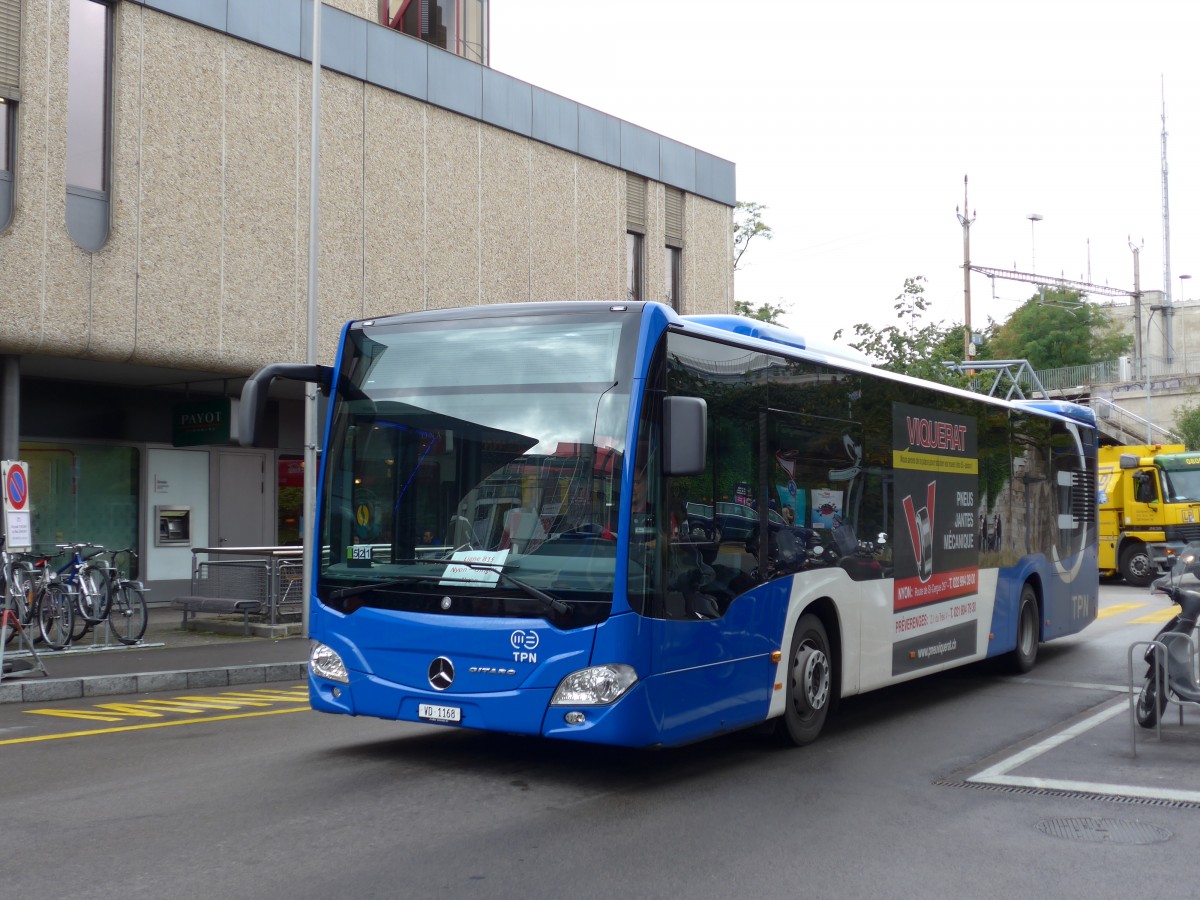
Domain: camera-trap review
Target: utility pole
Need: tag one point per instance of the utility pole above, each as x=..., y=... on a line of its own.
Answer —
x=1137, y=302
x=1168, y=309
x=311, y=428
x=968, y=346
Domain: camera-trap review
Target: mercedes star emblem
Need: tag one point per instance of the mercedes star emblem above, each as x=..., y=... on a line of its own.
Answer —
x=441, y=673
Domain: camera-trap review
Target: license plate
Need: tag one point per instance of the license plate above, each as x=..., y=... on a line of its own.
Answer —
x=433, y=713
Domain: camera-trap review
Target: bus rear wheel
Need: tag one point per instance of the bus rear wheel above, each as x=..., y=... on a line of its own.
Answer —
x=1136, y=566
x=1025, y=653
x=810, y=683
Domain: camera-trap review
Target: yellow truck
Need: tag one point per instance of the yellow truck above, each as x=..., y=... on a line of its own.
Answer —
x=1148, y=497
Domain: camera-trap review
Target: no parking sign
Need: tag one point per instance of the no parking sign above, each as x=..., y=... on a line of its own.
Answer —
x=18, y=529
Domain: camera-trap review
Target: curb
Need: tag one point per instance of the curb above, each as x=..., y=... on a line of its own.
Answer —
x=40, y=690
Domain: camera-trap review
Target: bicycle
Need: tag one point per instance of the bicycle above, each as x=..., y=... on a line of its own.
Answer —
x=17, y=577
x=46, y=600
x=126, y=599
x=87, y=582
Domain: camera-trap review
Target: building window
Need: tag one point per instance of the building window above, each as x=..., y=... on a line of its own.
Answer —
x=87, y=96
x=460, y=26
x=8, y=128
x=673, y=226
x=633, y=265
x=674, y=272
x=89, y=51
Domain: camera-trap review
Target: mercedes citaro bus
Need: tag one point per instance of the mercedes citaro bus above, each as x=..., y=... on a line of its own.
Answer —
x=503, y=538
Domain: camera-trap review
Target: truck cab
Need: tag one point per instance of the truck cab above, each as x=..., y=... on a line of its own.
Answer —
x=1149, y=507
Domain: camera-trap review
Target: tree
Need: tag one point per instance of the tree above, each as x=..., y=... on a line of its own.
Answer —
x=1187, y=425
x=747, y=225
x=764, y=313
x=913, y=347
x=1056, y=328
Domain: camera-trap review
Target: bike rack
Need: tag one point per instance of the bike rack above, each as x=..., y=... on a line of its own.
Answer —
x=9, y=619
x=1159, y=648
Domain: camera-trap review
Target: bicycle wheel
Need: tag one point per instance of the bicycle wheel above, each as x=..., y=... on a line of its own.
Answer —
x=127, y=615
x=14, y=601
x=20, y=583
x=79, y=619
x=13, y=620
x=94, y=593
x=55, y=616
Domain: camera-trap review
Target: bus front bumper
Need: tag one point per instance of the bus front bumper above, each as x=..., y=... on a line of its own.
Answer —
x=625, y=722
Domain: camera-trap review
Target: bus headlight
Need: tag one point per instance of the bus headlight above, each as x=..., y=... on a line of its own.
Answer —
x=595, y=686
x=325, y=663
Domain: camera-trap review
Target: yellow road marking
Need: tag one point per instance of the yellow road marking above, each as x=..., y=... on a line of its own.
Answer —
x=1156, y=618
x=153, y=708
x=144, y=725
x=1117, y=608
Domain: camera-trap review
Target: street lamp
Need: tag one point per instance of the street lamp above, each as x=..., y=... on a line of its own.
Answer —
x=1033, y=218
x=1182, y=279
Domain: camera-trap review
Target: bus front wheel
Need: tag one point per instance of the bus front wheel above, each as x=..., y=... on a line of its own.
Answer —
x=810, y=683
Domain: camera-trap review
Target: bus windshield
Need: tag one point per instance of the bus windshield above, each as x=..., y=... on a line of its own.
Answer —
x=473, y=466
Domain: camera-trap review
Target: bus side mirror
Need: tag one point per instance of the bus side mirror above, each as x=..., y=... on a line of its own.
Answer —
x=254, y=394
x=685, y=433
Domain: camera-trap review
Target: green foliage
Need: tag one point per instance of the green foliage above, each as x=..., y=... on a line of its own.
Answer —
x=912, y=347
x=1187, y=425
x=764, y=313
x=747, y=225
x=1056, y=328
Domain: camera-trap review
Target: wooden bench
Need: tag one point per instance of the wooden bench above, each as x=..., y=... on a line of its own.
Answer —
x=224, y=605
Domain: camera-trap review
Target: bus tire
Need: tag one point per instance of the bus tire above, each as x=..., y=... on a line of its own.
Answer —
x=1024, y=655
x=1137, y=567
x=809, y=684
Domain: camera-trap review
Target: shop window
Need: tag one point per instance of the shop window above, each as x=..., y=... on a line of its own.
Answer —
x=83, y=492
x=290, y=504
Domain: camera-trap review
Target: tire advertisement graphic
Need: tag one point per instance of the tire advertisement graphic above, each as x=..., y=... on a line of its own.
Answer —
x=935, y=458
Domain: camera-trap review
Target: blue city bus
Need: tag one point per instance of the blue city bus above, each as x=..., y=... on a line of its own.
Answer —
x=607, y=522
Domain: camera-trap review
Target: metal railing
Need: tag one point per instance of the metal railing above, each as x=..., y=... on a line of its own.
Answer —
x=1126, y=369
x=1133, y=428
x=271, y=575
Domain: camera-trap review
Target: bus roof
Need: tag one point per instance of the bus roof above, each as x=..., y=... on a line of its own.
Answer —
x=1064, y=408
x=767, y=332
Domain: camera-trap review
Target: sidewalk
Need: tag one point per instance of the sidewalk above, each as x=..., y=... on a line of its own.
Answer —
x=168, y=659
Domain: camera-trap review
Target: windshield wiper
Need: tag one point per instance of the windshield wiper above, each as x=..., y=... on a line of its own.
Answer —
x=554, y=603
x=559, y=606
x=346, y=593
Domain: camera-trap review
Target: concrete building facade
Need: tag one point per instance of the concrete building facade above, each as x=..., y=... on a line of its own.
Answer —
x=147, y=269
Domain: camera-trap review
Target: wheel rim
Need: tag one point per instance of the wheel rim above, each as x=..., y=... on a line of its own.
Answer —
x=811, y=675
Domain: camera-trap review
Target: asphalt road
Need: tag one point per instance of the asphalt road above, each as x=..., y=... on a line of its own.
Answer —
x=969, y=784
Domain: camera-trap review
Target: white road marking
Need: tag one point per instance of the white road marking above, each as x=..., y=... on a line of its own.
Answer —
x=998, y=774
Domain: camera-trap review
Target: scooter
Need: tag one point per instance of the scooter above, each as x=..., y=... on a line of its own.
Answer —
x=1182, y=585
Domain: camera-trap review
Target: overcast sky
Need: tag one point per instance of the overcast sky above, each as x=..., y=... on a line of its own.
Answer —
x=854, y=122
